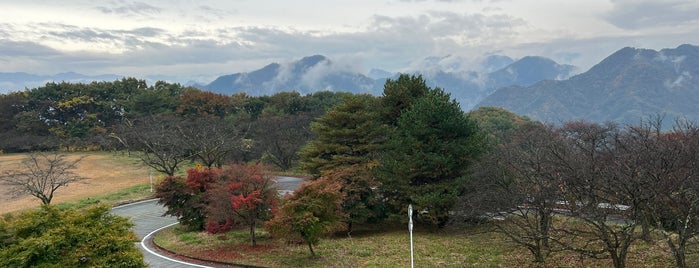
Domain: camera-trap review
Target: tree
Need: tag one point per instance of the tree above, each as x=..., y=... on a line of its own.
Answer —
x=361, y=202
x=11, y=104
x=346, y=135
x=50, y=237
x=185, y=198
x=427, y=156
x=399, y=94
x=244, y=194
x=194, y=102
x=281, y=137
x=210, y=139
x=346, y=148
x=600, y=200
x=674, y=188
x=499, y=124
x=516, y=182
x=312, y=211
x=41, y=175
x=159, y=140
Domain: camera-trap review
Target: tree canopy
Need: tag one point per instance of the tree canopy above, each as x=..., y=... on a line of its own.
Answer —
x=51, y=237
x=427, y=156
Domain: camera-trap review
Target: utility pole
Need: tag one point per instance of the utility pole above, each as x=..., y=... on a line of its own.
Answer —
x=410, y=228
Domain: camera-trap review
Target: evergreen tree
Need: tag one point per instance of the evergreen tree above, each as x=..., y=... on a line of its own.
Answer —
x=399, y=94
x=346, y=135
x=349, y=137
x=52, y=237
x=426, y=158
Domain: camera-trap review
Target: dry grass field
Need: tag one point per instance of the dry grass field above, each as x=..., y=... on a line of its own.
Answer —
x=104, y=173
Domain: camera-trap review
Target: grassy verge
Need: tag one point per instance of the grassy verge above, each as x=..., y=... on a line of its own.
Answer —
x=471, y=247
x=127, y=195
x=366, y=248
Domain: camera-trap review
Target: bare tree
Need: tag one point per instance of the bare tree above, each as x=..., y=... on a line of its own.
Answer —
x=676, y=203
x=41, y=175
x=603, y=220
x=517, y=182
x=280, y=138
x=159, y=140
x=210, y=139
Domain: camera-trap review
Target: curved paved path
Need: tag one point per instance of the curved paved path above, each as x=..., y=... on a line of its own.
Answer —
x=148, y=219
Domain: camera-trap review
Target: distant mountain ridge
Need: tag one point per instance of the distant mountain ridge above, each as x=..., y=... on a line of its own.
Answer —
x=20, y=80
x=317, y=73
x=627, y=86
x=307, y=75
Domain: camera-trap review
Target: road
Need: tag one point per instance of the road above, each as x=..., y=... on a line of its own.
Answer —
x=148, y=218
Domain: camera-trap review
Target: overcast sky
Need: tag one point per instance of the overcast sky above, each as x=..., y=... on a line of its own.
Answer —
x=202, y=39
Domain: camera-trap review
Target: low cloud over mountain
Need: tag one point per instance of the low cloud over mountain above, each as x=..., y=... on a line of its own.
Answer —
x=629, y=85
x=316, y=73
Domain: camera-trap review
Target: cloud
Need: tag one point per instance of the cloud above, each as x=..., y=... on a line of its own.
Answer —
x=635, y=14
x=387, y=42
x=133, y=8
x=206, y=38
x=210, y=13
x=25, y=49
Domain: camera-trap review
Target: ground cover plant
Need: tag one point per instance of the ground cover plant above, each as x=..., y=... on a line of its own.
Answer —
x=371, y=247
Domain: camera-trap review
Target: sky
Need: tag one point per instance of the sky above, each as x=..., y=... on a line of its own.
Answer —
x=200, y=40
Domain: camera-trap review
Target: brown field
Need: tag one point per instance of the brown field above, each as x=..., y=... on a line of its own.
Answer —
x=103, y=172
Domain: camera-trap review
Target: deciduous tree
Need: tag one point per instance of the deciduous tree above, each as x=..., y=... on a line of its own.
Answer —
x=185, y=198
x=41, y=175
x=244, y=194
x=159, y=141
x=517, y=182
x=281, y=137
x=603, y=224
x=313, y=211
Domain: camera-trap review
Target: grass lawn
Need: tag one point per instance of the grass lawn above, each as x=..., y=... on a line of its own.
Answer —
x=470, y=247
x=109, y=177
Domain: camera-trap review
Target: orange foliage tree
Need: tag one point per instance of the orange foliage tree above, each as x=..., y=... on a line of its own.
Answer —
x=314, y=210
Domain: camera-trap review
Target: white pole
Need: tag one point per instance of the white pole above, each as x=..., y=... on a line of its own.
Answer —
x=410, y=227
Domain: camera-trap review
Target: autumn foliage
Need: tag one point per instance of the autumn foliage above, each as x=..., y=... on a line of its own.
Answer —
x=246, y=196
x=219, y=199
x=313, y=211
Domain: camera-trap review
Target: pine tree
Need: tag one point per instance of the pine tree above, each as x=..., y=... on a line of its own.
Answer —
x=427, y=155
x=346, y=135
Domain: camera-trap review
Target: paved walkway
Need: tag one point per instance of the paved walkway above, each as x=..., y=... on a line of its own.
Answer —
x=148, y=219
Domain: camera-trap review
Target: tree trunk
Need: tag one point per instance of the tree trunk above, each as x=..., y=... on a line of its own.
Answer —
x=680, y=258
x=252, y=233
x=544, y=224
x=645, y=226
x=618, y=262
x=310, y=247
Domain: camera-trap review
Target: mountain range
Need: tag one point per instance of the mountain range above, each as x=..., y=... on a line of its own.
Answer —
x=630, y=85
x=19, y=81
x=317, y=72
x=627, y=86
